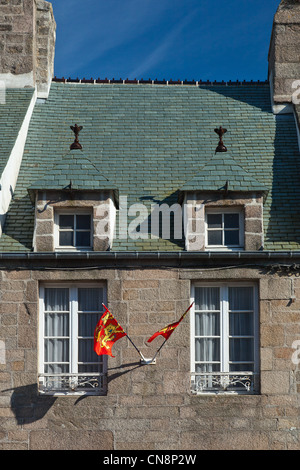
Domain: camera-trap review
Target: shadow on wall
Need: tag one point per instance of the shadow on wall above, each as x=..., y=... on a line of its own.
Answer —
x=27, y=405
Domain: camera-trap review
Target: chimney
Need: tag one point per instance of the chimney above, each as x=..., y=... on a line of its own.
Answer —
x=27, y=44
x=284, y=55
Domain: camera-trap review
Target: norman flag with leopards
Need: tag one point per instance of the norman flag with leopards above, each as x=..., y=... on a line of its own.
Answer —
x=107, y=332
x=168, y=330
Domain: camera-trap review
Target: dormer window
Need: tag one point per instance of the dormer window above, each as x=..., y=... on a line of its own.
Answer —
x=223, y=206
x=224, y=228
x=75, y=205
x=73, y=230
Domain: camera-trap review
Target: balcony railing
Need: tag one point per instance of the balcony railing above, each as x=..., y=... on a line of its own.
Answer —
x=66, y=384
x=218, y=382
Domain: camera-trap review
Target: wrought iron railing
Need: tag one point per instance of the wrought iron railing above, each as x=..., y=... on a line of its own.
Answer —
x=84, y=383
x=235, y=382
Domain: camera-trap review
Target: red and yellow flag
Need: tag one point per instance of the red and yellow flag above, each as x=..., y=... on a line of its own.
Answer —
x=107, y=332
x=168, y=330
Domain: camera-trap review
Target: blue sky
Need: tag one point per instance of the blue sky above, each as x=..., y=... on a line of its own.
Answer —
x=163, y=39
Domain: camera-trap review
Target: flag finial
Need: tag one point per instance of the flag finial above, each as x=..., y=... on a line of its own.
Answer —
x=221, y=147
x=76, y=145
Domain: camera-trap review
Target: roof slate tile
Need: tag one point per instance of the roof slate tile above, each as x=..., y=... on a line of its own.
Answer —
x=151, y=140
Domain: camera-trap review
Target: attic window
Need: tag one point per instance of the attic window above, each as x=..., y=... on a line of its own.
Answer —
x=73, y=230
x=224, y=228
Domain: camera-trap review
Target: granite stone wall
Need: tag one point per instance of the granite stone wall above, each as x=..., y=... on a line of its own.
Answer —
x=27, y=44
x=149, y=407
x=284, y=59
x=17, y=36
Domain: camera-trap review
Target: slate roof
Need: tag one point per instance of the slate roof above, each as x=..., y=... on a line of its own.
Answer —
x=220, y=172
x=151, y=140
x=73, y=171
x=13, y=107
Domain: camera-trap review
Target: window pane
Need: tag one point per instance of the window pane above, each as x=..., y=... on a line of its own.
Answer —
x=56, y=350
x=65, y=238
x=214, y=237
x=56, y=300
x=57, y=324
x=56, y=369
x=83, y=238
x=232, y=237
x=82, y=368
x=83, y=222
x=241, y=349
x=241, y=367
x=87, y=323
x=231, y=221
x=66, y=221
x=207, y=349
x=207, y=298
x=207, y=367
x=90, y=299
x=207, y=324
x=240, y=324
x=86, y=351
x=214, y=220
x=241, y=298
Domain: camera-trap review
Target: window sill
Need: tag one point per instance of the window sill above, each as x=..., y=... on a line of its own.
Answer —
x=224, y=383
x=72, y=384
x=72, y=250
x=224, y=393
x=70, y=394
x=224, y=248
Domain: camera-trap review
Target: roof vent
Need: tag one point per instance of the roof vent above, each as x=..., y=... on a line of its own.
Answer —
x=76, y=145
x=221, y=147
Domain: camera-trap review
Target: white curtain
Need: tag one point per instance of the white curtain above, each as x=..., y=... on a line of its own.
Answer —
x=87, y=310
x=207, y=329
x=57, y=320
x=211, y=314
x=241, y=328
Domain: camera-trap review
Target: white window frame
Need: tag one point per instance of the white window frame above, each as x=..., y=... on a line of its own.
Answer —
x=74, y=212
x=73, y=374
x=224, y=375
x=222, y=211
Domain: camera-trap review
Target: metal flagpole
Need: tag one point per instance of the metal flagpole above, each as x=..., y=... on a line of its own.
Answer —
x=154, y=357
x=136, y=348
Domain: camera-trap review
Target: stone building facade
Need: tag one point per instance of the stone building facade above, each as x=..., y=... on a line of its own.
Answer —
x=228, y=377
x=149, y=407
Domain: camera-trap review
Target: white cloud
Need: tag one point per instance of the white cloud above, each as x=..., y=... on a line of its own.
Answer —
x=158, y=54
x=103, y=29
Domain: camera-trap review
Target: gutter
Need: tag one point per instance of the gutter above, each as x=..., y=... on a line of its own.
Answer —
x=152, y=255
